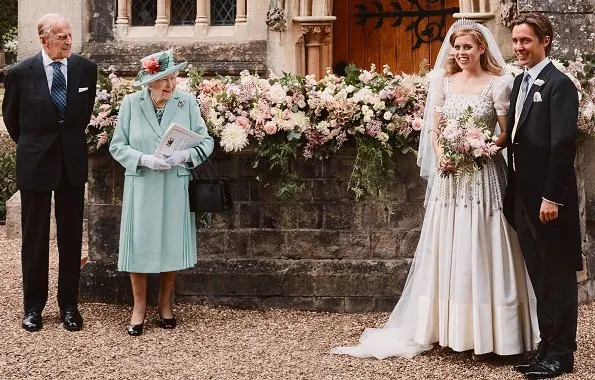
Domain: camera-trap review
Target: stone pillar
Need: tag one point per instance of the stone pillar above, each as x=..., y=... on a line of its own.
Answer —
x=201, y=24
x=240, y=11
x=161, y=22
x=317, y=44
x=122, y=21
x=476, y=10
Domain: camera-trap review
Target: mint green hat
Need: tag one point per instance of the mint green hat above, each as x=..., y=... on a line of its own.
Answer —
x=156, y=66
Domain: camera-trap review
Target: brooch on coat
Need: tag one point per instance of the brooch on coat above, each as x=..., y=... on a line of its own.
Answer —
x=181, y=103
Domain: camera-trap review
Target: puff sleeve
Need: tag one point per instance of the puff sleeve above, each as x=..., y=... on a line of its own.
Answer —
x=501, y=94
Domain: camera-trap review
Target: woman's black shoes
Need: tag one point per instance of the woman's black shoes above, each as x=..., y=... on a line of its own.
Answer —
x=166, y=323
x=135, y=330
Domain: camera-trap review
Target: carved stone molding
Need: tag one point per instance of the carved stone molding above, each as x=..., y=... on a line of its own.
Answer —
x=314, y=48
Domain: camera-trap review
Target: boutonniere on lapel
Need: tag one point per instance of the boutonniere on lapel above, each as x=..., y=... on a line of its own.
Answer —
x=538, y=82
x=181, y=103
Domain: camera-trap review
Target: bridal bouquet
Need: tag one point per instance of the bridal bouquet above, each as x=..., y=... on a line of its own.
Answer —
x=466, y=143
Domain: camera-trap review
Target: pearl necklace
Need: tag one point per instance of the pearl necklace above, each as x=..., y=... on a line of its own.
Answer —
x=157, y=105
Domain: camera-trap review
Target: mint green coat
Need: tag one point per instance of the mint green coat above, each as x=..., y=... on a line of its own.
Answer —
x=157, y=230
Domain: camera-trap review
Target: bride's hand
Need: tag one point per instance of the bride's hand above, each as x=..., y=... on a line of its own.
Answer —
x=444, y=165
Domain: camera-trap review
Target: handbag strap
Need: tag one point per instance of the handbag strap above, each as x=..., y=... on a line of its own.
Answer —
x=211, y=174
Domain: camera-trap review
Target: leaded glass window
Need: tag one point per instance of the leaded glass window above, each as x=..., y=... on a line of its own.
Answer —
x=183, y=12
x=144, y=12
x=223, y=12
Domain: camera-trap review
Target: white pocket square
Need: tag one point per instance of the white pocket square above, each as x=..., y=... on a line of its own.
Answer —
x=537, y=97
x=83, y=89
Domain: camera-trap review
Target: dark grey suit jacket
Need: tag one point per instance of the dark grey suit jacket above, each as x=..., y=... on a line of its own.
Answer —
x=544, y=150
x=47, y=149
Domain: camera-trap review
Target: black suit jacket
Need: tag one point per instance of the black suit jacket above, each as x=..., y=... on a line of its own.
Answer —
x=544, y=150
x=47, y=149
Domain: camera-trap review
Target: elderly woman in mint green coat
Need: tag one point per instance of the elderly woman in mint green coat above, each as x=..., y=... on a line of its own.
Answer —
x=157, y=232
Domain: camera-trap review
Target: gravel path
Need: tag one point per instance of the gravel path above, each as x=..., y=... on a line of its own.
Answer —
x=220, y=343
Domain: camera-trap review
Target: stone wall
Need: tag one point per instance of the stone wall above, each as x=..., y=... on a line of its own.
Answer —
x=327, y=252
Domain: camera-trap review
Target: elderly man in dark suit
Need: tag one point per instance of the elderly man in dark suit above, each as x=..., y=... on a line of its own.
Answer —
x=47, y=105
x=541, y=198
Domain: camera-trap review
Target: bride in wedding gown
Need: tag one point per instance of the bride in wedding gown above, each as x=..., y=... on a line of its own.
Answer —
x=468, y=288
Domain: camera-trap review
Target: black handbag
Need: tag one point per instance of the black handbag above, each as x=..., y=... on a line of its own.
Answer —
x=209, y=194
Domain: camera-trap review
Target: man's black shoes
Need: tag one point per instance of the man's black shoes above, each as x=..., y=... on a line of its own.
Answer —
x=535, y=358
x=548, y=368
x=71, y=319
x=32, y=321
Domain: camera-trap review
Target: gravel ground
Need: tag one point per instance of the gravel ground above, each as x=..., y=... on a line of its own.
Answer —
x=221, y=343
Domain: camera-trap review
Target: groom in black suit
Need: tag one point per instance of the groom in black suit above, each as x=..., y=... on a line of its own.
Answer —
x=47, y=105
x=541, y=199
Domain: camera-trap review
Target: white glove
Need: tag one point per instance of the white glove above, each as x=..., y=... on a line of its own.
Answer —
x=152, y=162
x=178, y=157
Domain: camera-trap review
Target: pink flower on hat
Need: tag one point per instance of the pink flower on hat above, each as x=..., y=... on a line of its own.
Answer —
x=151, y=65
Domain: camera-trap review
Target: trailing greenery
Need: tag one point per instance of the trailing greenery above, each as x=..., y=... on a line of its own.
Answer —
x=373, y=168
x=8, y=183
x=8, y=18
x=277, y=158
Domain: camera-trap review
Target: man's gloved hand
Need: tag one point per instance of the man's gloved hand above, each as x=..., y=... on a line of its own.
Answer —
x=178, y=157
x=154, y=163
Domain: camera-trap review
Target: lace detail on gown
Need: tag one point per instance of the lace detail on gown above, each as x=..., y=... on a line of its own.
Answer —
x=467, y=287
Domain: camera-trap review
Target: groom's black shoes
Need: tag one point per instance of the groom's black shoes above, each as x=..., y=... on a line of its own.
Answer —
x=548, y=368
x=535, y=358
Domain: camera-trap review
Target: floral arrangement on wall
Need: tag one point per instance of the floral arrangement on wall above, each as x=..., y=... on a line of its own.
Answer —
x=280, y=118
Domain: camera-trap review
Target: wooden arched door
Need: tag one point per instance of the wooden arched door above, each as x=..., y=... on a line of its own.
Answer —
x=400, y=33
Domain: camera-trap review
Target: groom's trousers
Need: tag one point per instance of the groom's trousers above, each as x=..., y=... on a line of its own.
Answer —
x=555, y=289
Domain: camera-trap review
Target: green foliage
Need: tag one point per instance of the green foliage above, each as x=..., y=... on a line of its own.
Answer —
x=8, y=18
x=8, y=183
x=278, y=157
x=373, y=168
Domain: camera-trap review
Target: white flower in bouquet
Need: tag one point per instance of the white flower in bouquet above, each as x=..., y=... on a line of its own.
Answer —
x=233, y=138
x=382, y=137
x=366, y=76
x=387, y=116
x=300, y=120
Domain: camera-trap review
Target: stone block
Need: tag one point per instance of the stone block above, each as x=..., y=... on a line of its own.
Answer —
x=383, y=245
x=214, y=57
x=338, y=167
x=372, y=216
x=406, y=215
x=238, y=243
x=359, y=304
x=339, y=215
x=385, y=303
x=575, y=6
x=408, y=240
x=267, y=243
x=239, y=189
x=280, y=216
x=101, y=178
x=211, y=244
x=96, y=275
x=310, y=216
x=104, y=233
x=249, y=215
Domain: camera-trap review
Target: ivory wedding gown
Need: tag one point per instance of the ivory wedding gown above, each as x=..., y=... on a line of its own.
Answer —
x=468, y=288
